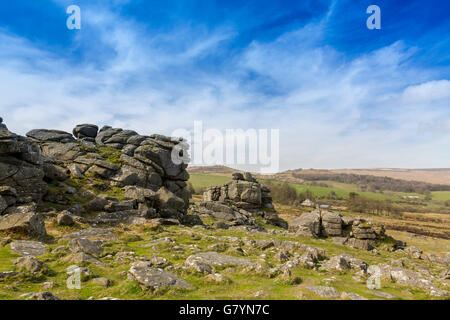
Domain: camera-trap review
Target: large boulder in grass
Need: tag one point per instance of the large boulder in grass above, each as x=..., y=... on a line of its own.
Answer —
x=218, y=259
x=154, y=278
x=308, y=224
x=28, y=248
x=87, y=246
x=23, y=219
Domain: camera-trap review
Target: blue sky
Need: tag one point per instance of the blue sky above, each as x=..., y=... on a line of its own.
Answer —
x=342, y=96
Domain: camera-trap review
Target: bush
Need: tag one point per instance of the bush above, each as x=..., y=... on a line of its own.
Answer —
x=362, y=204
x=283, y=194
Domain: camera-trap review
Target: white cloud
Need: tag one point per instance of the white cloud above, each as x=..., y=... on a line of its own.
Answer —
x=332, y=112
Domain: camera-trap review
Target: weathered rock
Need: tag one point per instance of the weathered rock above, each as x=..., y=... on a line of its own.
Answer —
x=54, y=172
x=50, y=135
x=28, y=248
x=217, y=259
x=86, y=245
x=8, y=274
x=308, y=224
x=141, y=195
x=20, y=168
x=154, y=278
x=29, y=222
x=352, y=296
x=414, y=252
x=331, y=224
x=93, y=234
x=99, y=203
x=382, y=294
x=169, y=204
x=39, y=296
x=344, y=262
x=195, y=263
x=82, y=257
x=29, y=263
x=362, y=229
x=405, y=277
x=325, y=292
x=65, y=219
x=359, y=244
x=85, y=131
x=217, y=278
x=103, y=282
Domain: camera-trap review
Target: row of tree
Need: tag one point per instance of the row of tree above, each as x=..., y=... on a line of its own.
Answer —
x=374, y=183
x=358, y=203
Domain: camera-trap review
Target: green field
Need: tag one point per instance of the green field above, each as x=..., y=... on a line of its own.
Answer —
x=201, y=181
x=341, y=189
x=441, y=195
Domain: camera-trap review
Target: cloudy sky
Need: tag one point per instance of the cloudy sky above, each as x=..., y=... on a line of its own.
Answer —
x=341, y=95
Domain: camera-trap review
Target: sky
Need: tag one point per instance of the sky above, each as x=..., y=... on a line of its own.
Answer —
x=341, y=95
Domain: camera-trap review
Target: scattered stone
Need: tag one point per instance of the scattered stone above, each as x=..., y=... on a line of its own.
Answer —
x=86, y=245
x=194, y=263
x=65, y=219
x=382, y=294
x=154, y=278
x=103, y=282
x=85, y=258
x=414, y=252
x=28, y=248
x=93, y=234
x=218, y=259
x=48, y=285
x=308, y=224
x=29, y=223
x=217, y=278
x=352, y=296
x=8, y=274
x=29, y=263
x=325, y=292
x=39, y=296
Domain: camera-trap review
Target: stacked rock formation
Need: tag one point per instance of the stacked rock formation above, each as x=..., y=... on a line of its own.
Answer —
x=21, y=183
x=152, y=168
x=357, y=233
x=240, y=198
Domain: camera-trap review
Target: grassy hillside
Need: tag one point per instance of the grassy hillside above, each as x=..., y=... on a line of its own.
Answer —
x=200, y=181
x=441, y=195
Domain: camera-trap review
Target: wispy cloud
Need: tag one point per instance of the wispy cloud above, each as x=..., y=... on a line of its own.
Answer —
x=333, y=111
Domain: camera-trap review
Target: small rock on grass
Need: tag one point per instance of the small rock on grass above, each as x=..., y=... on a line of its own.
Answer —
x=103, y=282
x=325, y=292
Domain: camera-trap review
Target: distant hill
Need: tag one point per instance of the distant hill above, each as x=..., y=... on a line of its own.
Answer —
x=219, y=170
x=435, y=176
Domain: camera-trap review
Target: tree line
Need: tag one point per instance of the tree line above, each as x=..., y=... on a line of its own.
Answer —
x=374, y=183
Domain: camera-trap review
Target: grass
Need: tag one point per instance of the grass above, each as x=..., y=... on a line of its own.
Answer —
x=201, y=181
x=440, y=195
x=110, y=154
x=342, y=190
x=243, y=285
